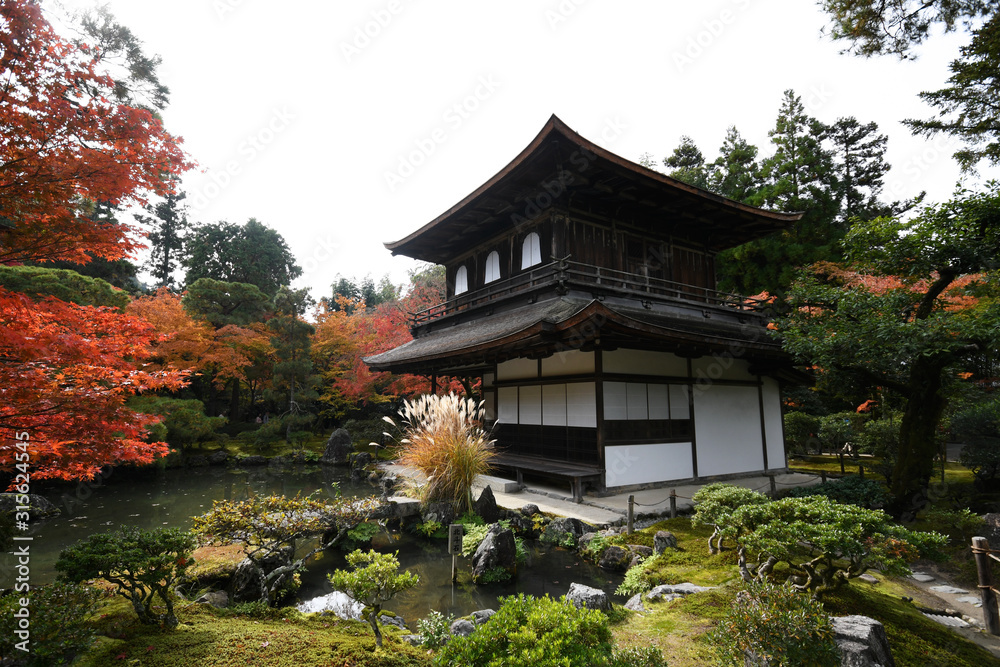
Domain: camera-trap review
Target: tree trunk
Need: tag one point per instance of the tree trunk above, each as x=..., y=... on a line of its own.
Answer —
x=373, y=619
x=234, y=402
x=917, y=437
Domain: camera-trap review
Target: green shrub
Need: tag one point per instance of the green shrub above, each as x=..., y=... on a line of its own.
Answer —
x=142, y=564
x=432, y=529
x=777, y=625
x=542, y=632
x=360, y=534
x=637, y=578
x=853, y=490
x=435, y=629
x=801, y=430
x=184, y=421
x=959, y=525
x=58, y=624
x=979, y=427
x=374, y=580
x=840, y=429
x=880, y=438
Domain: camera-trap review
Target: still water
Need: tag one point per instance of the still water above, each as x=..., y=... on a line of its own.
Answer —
x=169, y=498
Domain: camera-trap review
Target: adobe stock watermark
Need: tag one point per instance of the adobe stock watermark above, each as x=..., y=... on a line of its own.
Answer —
x=324, y=249
x=224, y=7
x=453, y=118
x=22, y=552
x=708, y=33
x=916, y=167
x=246, y=152
x=558, y=14
x=366, y=33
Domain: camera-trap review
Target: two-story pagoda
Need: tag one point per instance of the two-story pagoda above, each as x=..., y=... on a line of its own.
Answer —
x=581, y=290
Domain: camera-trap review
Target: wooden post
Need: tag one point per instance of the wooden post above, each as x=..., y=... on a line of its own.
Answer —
x=980, y=549
x=673, y=503
x=861, y=471
x=455, y=533
x=822, y=476
x=774, y=488
x=631, y=513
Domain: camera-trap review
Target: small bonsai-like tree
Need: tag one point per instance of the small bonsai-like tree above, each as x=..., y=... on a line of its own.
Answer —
x=715, y=503
x=444, y=439
x=141, y=564
x=270, y=526
x=374, y=580
x=823, y=543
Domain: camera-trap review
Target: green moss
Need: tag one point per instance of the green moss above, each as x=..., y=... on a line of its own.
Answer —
x=216, y=638
x=640, y=537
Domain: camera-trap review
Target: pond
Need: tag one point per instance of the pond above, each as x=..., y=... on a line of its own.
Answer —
x=169, y=498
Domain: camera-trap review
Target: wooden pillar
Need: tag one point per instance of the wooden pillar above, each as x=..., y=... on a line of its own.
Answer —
x=434, y=383
x=763, y=429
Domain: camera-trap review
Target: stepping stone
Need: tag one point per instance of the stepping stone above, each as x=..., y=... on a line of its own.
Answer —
x=950, y=590
x=948, y=621
x=971, y=599
x=921, y=577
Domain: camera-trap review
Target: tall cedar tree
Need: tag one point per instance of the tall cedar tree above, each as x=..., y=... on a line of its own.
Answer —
x=294, y=384
x=169, y=226
x=860, y=167
x=920, y=298
x=735, y=173
x=252, y=253
x=66, y=369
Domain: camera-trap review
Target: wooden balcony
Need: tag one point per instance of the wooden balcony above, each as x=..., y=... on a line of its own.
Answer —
x=566, y=275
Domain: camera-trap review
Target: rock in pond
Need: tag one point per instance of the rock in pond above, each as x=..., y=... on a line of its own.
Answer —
x=564, y=532
x=496, y=551
x=615, y=559
x=585, y=596
x=486, y=506
x=338, y=448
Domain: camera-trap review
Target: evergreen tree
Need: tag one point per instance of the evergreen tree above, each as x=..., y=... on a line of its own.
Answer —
x=735, y=173
x=365, y=290
x=252, y=253
x=294, y=385
x=859, y=164
x=968, y=108
x=687, y=164
x=169, y=226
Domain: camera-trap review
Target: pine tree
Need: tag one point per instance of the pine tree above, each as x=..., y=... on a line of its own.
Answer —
x=294, y=383
x=169, y=226
x=687, y=163
x=735, y=173
x=859, y=164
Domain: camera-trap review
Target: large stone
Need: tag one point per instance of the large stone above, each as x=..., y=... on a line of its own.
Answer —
x=483, y=615
x=388, y=618
x=664, y=540
x=338, y=448
x=991, y=529
x=496, y=551
x=530, y=509
x=218, y=458
x=39, y=507
x=862, y=642
x=615, y=559
x=462, y=628
x=565, y=532
x=443, y=513
x=486, y=506
x=640, y=550
x=218, y=599
x=674, y=591
x=635, y=603
x=585, y=596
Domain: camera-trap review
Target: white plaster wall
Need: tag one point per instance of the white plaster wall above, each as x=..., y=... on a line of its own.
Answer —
x=570, y=362
x=489, y=404
x=615, y=400
x=530, y=405
x=680, y=406
x=581, y=404
x=772, y=424
x=659, y=401
x=554, y=405
x=727, y=428
x=507, y=405
x=517, y=369
x=644, y=362
x=721, y=367
x=641, y=464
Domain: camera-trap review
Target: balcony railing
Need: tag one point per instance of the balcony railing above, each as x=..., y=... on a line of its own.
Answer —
x=588, y=278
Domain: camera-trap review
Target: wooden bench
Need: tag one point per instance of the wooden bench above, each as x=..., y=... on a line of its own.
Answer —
x=576, y=473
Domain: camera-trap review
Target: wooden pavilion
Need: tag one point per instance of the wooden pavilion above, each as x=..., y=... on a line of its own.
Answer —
x=581, y=290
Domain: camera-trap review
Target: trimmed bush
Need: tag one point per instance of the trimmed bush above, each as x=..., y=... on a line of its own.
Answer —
x=851, y=490
x=715, y=503
x=777, y=626
x=374, y=579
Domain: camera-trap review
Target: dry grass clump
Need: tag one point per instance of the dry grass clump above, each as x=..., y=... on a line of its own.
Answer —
x=443, y=438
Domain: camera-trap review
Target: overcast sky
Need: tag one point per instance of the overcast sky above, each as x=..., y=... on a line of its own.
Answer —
x=344, y=125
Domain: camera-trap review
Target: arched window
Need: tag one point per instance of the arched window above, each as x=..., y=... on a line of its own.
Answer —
x=531, y=250
x=461, y=280
x=492, y=267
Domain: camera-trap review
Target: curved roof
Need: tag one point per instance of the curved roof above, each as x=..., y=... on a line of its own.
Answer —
x=561, y=168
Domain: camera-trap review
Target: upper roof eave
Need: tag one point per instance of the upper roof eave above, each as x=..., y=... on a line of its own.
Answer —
x=555, y=126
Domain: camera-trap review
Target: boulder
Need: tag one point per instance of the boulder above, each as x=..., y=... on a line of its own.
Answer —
x=218, y=458
x=862, y=642
x=530, y=509
x=39, y=507
x=388, y=485
x=615, y=559
x=635, y=603
x=197, y=461
x=462, y=628
x=388, y=618
x=486, y=506
x=585, y=540
x=640, y=550
x=338, y=448
x=521, y=524
x=497, y=550
x=584, y=596
x=218, y=599
x=674, y=591
x=564, y=532
x=664, y=540
x=413, y=640
x=483, y=615
x=443, y=513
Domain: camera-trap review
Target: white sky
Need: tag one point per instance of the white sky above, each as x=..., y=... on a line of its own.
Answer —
x=299, y=114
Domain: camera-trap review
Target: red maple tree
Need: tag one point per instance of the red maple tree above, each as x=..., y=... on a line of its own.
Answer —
x=66, y=370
